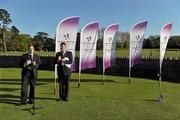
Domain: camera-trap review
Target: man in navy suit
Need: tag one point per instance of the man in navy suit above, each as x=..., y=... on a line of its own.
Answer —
x=29, y=63
x=64, y=60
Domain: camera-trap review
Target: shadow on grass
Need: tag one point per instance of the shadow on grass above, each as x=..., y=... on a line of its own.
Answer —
x=15, y=82
x=10, y=81
x=8, y=89
x=12, y=99
x=120, y=98
x=17, y=103
x=32, y=109
x=102, y=97
x=28, y=110
x=150, y=100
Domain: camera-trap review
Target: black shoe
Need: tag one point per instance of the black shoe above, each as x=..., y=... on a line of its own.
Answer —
x=23, y=102
x=59, y=99
x=65, y=99
x=31, y=102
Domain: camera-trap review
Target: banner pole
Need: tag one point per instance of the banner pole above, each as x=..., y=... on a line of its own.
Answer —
x=55, y=86
x=129, y=74
x=129, y=61
x=103, y=77
x=103, y=62
x=160, y=88
x=160, y=78
x=79, y=78
x=55, y=80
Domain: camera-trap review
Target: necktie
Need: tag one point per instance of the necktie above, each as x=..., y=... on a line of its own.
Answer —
x=62, y=63
x=63, y=53
x=30, y=57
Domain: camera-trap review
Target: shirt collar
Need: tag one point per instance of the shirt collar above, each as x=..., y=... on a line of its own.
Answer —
x=63, y=51
x=30, y=53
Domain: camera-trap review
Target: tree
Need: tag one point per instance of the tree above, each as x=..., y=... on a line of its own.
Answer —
x=14, y=31
x=124, y=37
x=174, y=42
x=5, y=20
x=19, y=42
x=39, y=40
x=146, y=43
x=13, y=42
x=78, y=41
x=100, y=44
x=49, y=44
x=24, y=41
x=154, y=41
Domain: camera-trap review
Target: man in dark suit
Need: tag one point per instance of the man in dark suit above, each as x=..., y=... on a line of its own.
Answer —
x=29, y=63
x=63, y=59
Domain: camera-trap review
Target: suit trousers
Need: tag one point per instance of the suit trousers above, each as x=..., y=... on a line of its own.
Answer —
x=27, y=76
x=64, y=86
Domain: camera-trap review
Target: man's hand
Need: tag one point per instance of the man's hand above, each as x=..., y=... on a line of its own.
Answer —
x=63, y=59
x=59, y=58
x=34, y=62
x=28, y=62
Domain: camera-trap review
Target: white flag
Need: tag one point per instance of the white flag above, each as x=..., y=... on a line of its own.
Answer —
x=88, y=44
x=109, y=46
x=136, y=43
x=164, y=37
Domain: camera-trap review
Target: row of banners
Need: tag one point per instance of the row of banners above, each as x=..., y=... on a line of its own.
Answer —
x=67, y=32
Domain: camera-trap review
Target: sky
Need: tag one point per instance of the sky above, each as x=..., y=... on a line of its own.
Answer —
x=32, y=16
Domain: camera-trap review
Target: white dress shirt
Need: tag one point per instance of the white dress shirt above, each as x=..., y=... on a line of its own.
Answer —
x=66, y=58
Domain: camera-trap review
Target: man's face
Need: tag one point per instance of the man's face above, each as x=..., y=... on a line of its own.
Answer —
x=63, y=47
x=31, y=49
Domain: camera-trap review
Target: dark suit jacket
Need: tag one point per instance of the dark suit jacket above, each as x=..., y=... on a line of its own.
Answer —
x=63, y=70
x=32, y=68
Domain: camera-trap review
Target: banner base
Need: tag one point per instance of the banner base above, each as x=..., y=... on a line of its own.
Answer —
x=129, y=80
x=78, y=84
x=33, y=108
x=54, y=91
x=160, y=99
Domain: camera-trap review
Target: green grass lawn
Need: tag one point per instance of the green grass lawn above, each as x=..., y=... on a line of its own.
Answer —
x=119, y=53
x=115, y=100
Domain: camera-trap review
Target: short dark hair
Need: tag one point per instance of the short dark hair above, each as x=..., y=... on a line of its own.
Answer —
x=30, y=45
x=62, y=43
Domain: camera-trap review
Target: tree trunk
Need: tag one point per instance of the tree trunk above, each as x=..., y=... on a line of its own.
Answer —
x=4, y=40
x=122, y=44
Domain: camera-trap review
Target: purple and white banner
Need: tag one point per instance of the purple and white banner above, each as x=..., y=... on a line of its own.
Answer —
x=164, y=37
x=136, y=43
x=88, y=44
x=109, y=46
x=66, y=32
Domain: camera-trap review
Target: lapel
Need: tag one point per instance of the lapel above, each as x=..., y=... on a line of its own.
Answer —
x=28, y=57
x=65, y=53
x=34, y=57
x=61, y=54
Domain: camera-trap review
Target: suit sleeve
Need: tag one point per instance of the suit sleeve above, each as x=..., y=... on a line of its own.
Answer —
x=70, y=59
x=21, y=61
x=38, y=62
x=56, y=59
